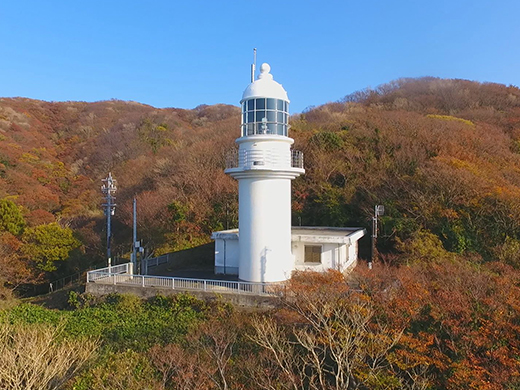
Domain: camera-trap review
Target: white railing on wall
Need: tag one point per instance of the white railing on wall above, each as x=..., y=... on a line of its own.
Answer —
x=124, y=277
x=106, y=272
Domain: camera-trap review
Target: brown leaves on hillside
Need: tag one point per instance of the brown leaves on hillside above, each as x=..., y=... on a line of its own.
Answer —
x=451, y=171
x=441, y=155
x=449, y=324
x=462, y=320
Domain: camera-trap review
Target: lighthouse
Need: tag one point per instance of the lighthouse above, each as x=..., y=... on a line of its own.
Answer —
x=265, y=167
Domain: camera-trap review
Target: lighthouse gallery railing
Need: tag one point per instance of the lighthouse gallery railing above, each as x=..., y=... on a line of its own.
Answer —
x=263, y=159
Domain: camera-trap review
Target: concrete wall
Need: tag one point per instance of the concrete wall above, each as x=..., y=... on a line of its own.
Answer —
x=333, y=256
x=226, y=256
x=244, y=300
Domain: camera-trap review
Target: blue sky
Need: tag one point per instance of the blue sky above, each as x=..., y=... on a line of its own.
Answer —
x=182, y=54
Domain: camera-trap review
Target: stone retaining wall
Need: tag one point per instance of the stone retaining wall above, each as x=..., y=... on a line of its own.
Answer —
x=245, y=300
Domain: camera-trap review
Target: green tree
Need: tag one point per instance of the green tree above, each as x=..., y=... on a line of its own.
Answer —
x=48, y=244
x=11, y=218
x=156, y=135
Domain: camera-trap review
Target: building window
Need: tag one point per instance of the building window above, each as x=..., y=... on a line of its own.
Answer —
x=312, y=254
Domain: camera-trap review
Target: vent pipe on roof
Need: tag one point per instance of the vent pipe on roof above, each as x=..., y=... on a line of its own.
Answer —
x=253, y=66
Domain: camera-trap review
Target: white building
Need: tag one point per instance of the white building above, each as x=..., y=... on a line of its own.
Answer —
x=314, y=248
x=267, y=249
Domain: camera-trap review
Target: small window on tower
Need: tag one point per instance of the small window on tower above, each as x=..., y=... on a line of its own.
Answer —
x=312, y=254
x=279, y=105
x=271, y=104
x=250, y=105
x=260, y=104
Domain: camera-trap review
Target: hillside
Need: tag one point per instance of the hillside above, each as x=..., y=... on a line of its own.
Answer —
x=54, y=155
x=440, y=311
x=443, y=156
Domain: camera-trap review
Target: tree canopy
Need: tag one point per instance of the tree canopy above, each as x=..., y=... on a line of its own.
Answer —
x=11, y=218
x=48, y=244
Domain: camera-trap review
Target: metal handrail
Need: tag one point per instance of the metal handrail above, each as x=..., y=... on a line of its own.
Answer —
x=297, y=159
x=108, y=271
x=263, y=159
x=221, y=286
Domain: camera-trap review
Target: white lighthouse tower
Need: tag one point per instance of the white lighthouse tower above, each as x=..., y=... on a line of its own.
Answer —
x=264, y=170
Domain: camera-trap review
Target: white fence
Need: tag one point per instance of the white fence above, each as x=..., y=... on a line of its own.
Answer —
x=107, y=272
x=121, y=275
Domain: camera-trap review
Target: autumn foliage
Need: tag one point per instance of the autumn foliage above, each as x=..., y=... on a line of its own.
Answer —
x=441, y=155
x=439, y=311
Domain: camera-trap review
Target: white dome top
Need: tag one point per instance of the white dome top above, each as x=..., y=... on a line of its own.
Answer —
x=265, y=86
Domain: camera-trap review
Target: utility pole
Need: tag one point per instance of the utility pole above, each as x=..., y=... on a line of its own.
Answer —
x=134, y=244
x=109, y=189
x=378, y=210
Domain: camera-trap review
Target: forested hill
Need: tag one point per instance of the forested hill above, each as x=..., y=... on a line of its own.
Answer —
x=443, y=156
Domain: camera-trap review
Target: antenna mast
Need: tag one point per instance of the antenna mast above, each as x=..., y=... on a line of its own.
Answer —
x=109, y=189
x=253, y=66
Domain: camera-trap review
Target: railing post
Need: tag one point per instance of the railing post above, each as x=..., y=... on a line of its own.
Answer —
x=238, y=287
x=173, y=283
x=204, y=285
x=142, y=278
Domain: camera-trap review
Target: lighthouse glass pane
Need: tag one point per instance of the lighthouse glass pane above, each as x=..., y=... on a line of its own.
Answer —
x=279, y=105
x=260, y=104
x=271, y=116
x=271, y=104
x=250, y=105
x=260, y=115
x=250, y=116
x=244, y=117
x=271, y=128
x=286, y=106
x=280, y=117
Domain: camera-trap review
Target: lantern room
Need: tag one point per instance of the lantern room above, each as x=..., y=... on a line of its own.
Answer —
x=265, y=107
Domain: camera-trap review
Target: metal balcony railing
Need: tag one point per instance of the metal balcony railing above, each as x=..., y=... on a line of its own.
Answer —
x=297, y=159
x=263, y=159
x=232, y=158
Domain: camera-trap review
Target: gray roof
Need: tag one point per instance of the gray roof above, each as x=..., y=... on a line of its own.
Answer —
x=311, y=234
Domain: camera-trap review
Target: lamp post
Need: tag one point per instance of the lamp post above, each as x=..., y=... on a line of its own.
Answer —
x=109, y=189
